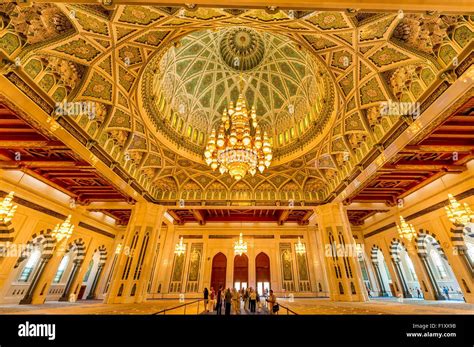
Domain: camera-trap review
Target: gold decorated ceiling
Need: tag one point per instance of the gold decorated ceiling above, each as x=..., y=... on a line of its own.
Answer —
x=188, y=88
x=88, y=53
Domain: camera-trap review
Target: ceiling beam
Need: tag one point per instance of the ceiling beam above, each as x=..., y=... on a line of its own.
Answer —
x=43, y=164
x=448, y=148
x=306, y=217
x=283, y=216
x=199, y=216
x=423, y=167
x=380, y=5
x=176, y=218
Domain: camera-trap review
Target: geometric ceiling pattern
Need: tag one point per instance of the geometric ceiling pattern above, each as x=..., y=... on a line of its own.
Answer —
x=205, y=72
x=90, y=53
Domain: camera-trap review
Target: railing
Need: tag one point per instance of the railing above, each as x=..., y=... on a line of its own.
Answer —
x=180, y=306
x=288, y=310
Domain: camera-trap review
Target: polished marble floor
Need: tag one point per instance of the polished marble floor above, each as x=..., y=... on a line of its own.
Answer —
x=377, y=306
x=299, y=306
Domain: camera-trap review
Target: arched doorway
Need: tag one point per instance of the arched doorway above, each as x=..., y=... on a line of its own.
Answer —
x=385, y=273
x=241, y=271
x=405, y=270
x=92, y=276
x=381, y=271
x=69, y=267
x=30, y=267
x=439, y=270
x=262, y=272
x=218, y=274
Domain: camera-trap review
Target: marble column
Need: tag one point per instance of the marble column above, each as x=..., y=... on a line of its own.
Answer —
x=92, y=294
x=401, y=278
x=132, y=271
x=72, y=277
x=378, y=275
x=437, y=292
x=421, y=273
x=343, y=269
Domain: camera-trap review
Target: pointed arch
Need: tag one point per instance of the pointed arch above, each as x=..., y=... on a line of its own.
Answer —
x=79, y=248
x=423, y=238
x=44, y=241
x=218, y=271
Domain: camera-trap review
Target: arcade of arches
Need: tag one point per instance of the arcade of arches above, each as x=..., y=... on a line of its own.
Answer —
x=105, y=113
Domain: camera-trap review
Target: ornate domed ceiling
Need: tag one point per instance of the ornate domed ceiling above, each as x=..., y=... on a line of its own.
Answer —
x=192, y=83
x=242, y=48
x=53, y=52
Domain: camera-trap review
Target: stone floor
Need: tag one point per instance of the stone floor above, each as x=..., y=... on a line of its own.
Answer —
x=376, y=306
x=299, y=305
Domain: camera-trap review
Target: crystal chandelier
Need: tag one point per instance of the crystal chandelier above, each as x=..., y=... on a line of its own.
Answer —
x=238, y=147
x=118, y=249
x=458, y=213
x=63, y=230
x=7, y=209
x=359, y=248
x=240, y=247
x=300, y=248
x=180, y=247
x=406, y=230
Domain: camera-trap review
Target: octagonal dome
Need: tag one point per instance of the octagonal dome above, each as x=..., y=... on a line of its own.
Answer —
x=186, y=89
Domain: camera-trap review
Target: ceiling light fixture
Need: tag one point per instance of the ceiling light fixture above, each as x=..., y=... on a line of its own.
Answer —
x=460, y=214
x=240, y=247
x=180, y=248
x=63, y=230
x=406, y=230
x=7, y=209
x=300, y=248
x=238, y=147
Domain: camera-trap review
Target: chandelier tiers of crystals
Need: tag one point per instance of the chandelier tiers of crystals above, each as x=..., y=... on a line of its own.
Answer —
x=238, y=147
x=459, y=214
x=240, y=247
x=7, y=209
x=300, y=247
x=63, y=230
x=180, y=248
x=406, y=230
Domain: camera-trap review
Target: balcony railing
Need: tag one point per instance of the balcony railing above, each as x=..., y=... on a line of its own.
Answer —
x=184, y=307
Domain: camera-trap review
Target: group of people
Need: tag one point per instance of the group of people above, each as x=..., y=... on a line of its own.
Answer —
x=419, y=294
x=232, y=299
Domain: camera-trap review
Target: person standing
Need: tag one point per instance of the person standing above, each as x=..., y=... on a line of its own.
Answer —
x=236, y=301
x=418, y=292
x=253, y=300
x=446, y=292
x=271, y=301
x=228, y=301
x=219, y=301
x=246, y=300
x=259, y=304
x=212, y=300
x=206, y=299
